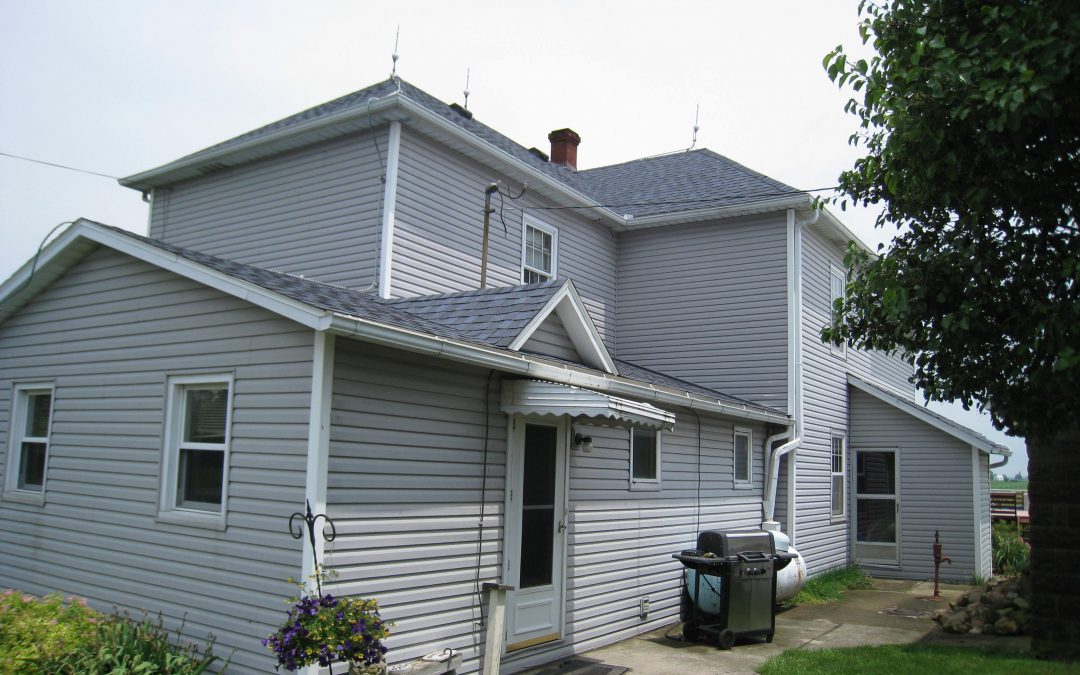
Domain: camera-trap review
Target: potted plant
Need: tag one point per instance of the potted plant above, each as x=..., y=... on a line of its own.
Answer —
x=326, y=630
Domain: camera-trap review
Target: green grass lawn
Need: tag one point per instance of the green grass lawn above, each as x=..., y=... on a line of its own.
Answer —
x=908, y=660
x=1009, y=484
x=830, y=586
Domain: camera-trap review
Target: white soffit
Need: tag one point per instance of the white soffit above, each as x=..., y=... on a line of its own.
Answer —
x=532, y=397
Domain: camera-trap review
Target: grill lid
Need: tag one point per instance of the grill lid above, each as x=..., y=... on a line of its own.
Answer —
x=730, y=543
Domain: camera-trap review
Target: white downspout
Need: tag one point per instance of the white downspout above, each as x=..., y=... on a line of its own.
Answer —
x=386, y=252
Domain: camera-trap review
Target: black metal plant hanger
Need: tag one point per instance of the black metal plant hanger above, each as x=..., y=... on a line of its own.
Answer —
x=297, y=532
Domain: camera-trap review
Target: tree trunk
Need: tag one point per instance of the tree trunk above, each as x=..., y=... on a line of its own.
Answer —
x=1054, y=488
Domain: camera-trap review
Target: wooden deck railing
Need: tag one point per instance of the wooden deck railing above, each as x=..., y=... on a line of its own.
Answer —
x=1009, y=505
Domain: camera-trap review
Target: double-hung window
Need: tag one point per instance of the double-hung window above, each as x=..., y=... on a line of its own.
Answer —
x=644, y=458
x=196, y=456
x=539, y=252
x=28, y=452
x=744, y=458
x=839, y=476
x=837, y=282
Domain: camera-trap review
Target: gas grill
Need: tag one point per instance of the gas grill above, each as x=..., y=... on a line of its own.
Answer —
x=730, y=586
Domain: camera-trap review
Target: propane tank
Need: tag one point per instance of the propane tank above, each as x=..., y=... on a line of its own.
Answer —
x=790, y=580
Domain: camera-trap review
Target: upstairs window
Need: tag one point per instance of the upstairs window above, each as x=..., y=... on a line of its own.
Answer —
x=837, y=282
x=196, y=458
x=28, y=452
x=644, y=458
x=839, y=476
x=539, y=252
x=744, y=458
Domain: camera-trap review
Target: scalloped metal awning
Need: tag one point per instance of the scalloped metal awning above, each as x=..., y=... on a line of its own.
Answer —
x=533, y=397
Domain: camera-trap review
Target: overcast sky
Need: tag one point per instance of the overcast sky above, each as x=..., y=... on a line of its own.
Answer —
x=122, y=86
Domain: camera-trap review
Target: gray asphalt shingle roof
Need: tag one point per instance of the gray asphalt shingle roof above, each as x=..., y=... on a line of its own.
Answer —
x=673, y=183
x=682, y=181
x=493, y=316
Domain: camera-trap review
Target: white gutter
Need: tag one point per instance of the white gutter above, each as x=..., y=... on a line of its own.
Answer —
x=528, y=366
x=800, y=201
x=386, y=251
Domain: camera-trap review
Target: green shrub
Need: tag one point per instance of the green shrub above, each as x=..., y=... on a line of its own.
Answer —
x=1010, y=552
x=126, y=645
x=831, y=585
x=34, y=630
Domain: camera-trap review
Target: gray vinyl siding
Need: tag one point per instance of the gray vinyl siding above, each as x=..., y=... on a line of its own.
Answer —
x=550, y=338
x=824, y=540
x=935, y=488
x=107, y=334
x=438, y=232
x=314, y=211
x=405, y=481
x=708, y=303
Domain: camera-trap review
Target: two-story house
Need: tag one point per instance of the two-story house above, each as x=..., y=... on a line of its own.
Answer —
x=306, y=321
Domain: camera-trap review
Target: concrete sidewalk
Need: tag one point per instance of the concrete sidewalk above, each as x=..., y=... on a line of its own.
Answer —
x=894, y=612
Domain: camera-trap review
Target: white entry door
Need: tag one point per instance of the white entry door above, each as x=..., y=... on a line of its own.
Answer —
x=535, y=541
x=877, y=508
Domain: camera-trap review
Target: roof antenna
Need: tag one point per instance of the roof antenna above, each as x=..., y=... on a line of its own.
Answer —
x=693, y=141
x=394, y=56
x=468, y=72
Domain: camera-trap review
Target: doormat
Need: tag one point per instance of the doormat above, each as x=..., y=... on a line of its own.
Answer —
x=579, y=666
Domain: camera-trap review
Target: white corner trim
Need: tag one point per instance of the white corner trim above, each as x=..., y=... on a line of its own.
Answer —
x=88, y=230
x=976, y=512
x=318, y=446
x=568, y=306
x=386, y=249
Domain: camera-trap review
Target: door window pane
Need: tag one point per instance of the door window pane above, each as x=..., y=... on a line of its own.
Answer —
x=875, y=473
x=538, y=506
x=876, y=520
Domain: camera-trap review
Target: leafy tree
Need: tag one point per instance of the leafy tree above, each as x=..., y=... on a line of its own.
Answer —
x=970, y=115
x=970, y=118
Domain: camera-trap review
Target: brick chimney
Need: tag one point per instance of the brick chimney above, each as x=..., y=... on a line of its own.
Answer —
x=564, y=144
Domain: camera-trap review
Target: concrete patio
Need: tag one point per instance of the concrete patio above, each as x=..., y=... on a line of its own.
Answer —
x=894, y=612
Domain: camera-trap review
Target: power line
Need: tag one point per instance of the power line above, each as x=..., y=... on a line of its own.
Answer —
x=59, y=166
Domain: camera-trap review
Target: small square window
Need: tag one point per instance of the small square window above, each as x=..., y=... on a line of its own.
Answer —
x=744, y=457
x=539, y=251
x=28, y=451
x=644, y=457
x=196, y=456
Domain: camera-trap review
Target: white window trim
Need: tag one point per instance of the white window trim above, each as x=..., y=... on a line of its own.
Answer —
x=842, y=516
x=526, y=223
x=168, y=511
x=19, y=394
x=749, y=433
x=836, y=273
x=647, y=483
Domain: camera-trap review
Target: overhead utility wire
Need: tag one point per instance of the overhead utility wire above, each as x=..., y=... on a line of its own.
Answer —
x=59, y=166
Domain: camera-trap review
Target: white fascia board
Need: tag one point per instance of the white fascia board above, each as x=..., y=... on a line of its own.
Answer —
x=530, y=366
x=160, y=175
x=797, y=202
x=839, y=231
x=951, y=428
x=88, y=230
x=568, y=306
